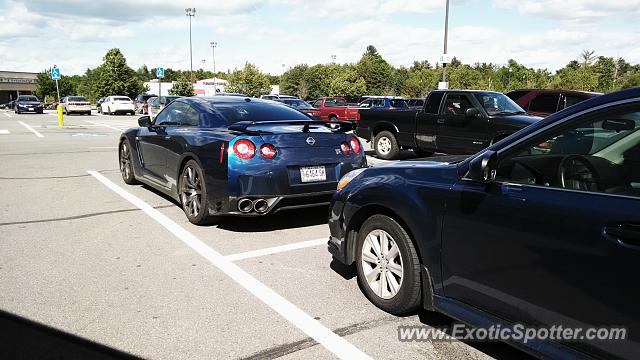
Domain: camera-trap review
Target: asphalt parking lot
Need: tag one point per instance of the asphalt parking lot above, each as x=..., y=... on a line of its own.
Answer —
x=119, y=265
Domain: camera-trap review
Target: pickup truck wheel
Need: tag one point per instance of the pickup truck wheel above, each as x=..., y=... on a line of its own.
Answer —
x=388, y=266
x=386, y=145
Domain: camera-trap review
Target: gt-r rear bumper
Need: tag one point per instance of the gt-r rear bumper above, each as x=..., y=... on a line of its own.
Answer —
x=260, y=205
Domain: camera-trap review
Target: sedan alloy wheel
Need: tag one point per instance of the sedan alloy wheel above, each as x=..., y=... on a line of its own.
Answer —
x=382, y=263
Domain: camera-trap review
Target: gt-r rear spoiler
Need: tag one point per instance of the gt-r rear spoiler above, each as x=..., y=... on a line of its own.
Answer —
x=337, y=126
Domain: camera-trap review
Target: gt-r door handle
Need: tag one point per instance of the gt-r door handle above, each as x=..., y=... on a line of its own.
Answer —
x=440, y=121
x=624, y=234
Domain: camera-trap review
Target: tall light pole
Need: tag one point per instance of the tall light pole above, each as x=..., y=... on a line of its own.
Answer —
x=333, y=59
x=213, y=58
x=446, y=33
x=280, y=86
x=191, y=12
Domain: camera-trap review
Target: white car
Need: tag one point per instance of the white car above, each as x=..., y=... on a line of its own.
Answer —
x=118, y=105
x=75, y=104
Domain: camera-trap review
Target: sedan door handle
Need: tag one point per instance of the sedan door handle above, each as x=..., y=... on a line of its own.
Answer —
x=167, y=137
x=624, y=234
x=440, y=121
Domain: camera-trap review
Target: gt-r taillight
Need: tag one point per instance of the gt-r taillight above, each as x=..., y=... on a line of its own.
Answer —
x=244, y=149
x=268, y=151
x=345, y=148
x=355, y=145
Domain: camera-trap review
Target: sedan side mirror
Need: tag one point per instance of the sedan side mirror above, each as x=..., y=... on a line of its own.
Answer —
x=144, y=121
x=472, y=112
x=484, y=167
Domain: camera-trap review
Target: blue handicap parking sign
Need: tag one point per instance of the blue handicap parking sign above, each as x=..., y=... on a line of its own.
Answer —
x=55, y=74
x=160, y=73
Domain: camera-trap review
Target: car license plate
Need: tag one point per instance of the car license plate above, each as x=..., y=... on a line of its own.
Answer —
x=313, y=173
x=31, y=109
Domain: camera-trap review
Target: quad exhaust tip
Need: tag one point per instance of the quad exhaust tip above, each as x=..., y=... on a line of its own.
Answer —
x=245, y=205
x=260, y=206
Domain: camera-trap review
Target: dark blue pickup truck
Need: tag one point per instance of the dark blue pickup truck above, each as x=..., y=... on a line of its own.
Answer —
x=540, y=230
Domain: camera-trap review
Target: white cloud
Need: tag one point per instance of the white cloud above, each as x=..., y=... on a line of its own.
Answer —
x=573, y=11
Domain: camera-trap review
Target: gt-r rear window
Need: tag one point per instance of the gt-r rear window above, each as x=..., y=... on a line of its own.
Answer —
x=234, y=112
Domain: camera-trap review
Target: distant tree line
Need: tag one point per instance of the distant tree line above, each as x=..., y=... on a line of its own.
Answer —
x=371, y=75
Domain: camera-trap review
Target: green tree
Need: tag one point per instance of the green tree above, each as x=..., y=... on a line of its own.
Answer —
x=375, y=71
x=348, y=84
x=45, y=86
x=182, y=87
x=294, y=82
x=318, y=79
x=115, y=77
x=250, y=81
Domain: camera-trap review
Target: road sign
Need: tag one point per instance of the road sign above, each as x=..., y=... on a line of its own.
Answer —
x=160, y=73
x=445, y=59
x=55, y=73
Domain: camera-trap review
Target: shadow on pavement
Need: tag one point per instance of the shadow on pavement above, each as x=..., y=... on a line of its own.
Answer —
x=494, y=349
x=287, y=219
x=26, y=339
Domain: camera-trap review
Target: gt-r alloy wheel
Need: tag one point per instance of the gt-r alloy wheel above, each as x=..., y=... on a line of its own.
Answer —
x=193, y=195
x=126, y=163
x=388, y=266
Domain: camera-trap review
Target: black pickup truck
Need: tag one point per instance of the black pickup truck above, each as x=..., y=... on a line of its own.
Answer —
x=451, y=121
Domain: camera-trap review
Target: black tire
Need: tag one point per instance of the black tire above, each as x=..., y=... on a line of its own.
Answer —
x=408, y=297
x=125, y=159
x=194, y=205
x=333, y=118
x=109, y=111
x=422, y=153
x=386, y=145
x=99, y=109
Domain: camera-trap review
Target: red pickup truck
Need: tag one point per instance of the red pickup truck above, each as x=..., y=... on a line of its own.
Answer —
x=336, y=108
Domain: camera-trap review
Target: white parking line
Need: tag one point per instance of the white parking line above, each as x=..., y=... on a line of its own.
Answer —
x=276, y=249
x=4, y=132
x=104, y=125
x=332, y=342
x=31, y=129
x=7, y=115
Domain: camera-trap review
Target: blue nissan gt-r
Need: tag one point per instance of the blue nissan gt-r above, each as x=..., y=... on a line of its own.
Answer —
x=238, y=156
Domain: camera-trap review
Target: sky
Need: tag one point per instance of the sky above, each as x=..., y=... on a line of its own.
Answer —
x=75, y=34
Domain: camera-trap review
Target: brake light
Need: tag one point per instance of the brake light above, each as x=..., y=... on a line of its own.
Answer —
x=355, y=145
x=244, y=149
x=345, y=148
x=268, y=151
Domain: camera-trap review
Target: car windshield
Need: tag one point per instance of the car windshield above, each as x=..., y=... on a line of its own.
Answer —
x=28, y=98
x=121, y=98
x=298, y=104
x=77, y=98
x=257, y=111
x=495, y=103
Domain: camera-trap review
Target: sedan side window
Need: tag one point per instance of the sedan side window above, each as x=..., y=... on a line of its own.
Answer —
x=599, y=153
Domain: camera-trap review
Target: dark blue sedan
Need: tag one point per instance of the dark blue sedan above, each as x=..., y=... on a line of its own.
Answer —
x=541, y=229
x=238, y=156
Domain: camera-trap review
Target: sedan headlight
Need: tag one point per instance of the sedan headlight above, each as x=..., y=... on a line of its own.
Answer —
x=346, y=179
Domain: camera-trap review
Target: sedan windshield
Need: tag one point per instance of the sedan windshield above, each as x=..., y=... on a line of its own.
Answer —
x=254, y=111
x=298, y=104
x=27, y=98
x=496, y=104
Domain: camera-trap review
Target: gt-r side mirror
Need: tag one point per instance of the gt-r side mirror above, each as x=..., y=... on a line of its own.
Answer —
x=472, y=112
x=484, y=167
x=144, y=121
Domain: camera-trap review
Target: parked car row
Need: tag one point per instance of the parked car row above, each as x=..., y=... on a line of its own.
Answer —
x=540, y=229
